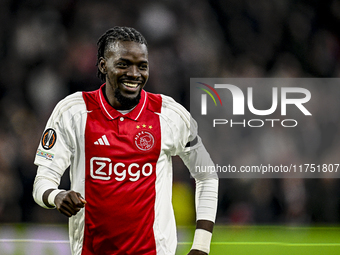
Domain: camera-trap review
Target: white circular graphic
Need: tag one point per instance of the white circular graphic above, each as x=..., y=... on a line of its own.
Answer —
x=144, y=140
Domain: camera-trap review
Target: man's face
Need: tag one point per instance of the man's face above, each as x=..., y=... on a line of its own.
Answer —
x=126, y=67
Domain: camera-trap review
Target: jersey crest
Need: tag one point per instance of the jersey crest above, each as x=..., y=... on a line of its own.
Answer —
x=144, y=138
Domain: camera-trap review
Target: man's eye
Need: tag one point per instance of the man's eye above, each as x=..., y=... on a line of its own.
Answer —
x=121, y=64
x=143, y=67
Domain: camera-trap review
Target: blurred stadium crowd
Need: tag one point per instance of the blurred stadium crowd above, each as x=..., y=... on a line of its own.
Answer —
x=48, y=50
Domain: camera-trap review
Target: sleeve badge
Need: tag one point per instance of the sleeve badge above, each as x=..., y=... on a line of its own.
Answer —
x=48, y=139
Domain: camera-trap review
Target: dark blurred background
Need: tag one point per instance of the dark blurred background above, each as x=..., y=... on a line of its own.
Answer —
x=48, y=50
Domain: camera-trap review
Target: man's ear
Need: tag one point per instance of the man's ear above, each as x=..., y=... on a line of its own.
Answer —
x=102, y=65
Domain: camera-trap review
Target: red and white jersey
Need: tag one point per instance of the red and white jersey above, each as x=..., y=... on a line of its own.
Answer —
x=121, y=164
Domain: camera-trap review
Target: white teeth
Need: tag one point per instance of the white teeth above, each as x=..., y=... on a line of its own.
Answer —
x=132, y=85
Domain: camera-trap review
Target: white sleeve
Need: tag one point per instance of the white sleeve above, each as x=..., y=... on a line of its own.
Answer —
x=206, y=199
x=183, y=130
x=56, y=147
x=58, y=141
x=45, y=179
x=197, y=159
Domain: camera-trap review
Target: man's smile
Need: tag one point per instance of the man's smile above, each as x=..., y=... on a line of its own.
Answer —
x=130, y=85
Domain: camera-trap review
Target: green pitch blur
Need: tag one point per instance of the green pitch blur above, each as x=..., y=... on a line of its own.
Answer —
x=278, y=240
x=22, y=239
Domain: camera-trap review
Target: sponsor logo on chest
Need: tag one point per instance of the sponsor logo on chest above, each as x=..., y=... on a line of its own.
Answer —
x=108, y=165
x=102, y=168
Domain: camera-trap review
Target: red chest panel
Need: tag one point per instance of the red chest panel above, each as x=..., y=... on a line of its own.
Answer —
x=121, y=156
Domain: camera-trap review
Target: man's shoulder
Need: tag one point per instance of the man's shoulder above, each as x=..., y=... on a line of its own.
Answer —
x=72, y=103
x=154, y=102
x=172, y=105
x=161, y=101
x=172, y=111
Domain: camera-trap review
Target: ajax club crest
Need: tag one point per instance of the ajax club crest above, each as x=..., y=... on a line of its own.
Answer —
x=144, y=140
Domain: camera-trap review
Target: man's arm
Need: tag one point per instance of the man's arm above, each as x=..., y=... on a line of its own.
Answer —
x=205, y=225
x=67, y=202
x=206, y=206
x=206, y=195
x=182, y=129
x=47, y=194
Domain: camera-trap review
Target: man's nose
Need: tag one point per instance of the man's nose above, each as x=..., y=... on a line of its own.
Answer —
x=133, y=72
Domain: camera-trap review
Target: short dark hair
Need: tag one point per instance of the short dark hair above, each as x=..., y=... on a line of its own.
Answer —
x=113, y=35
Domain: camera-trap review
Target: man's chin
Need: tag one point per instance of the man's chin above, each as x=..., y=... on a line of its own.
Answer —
x=127, y=102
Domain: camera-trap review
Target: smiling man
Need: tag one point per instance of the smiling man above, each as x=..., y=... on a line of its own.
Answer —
x=125, y=65
x=118, y=142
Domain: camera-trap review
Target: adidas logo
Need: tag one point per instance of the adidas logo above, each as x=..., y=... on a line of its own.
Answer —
x=102, y=141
